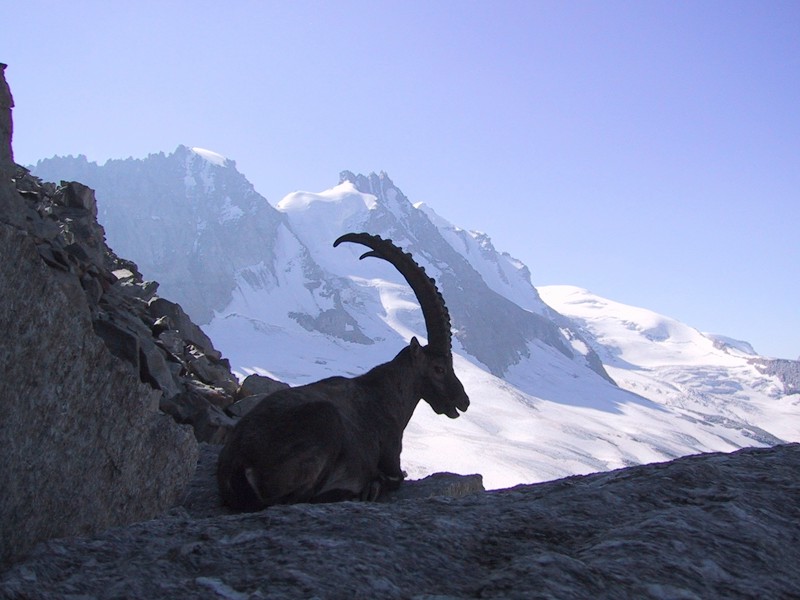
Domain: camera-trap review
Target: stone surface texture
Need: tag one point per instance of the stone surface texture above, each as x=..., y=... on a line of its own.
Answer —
x=708, y=526
x=84, y=445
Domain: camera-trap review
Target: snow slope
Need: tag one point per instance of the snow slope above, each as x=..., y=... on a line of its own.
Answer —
x=678, y=366
x=508, y=435
x=548, y=417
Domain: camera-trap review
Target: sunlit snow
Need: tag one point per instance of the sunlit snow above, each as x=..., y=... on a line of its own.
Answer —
x=229, y=211
x=210, y=156
x=549, y=416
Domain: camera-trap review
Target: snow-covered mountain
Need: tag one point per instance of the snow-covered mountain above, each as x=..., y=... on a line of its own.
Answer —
x=189, y=219
x=277, y=298
x=677, y=365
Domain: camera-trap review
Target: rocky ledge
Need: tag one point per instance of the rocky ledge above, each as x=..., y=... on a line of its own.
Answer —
x=708, y=526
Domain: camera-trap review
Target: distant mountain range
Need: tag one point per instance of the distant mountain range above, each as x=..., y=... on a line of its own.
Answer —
x=564, y=382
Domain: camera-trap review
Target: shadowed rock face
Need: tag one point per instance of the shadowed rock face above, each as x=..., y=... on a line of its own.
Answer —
x=84, y=446
x=6, y=126
x=709, y=526
x=154, y=337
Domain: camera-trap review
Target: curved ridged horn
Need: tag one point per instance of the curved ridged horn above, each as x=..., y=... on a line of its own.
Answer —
x=437, y=319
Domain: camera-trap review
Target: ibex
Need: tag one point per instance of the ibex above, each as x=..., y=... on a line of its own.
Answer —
x=340, y=438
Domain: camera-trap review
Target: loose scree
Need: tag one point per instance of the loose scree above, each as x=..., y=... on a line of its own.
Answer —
x=340, y=438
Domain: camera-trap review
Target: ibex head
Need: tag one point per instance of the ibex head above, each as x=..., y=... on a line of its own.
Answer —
x=439, y=385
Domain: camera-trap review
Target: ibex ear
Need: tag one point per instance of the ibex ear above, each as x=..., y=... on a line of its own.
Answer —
x=415, y=347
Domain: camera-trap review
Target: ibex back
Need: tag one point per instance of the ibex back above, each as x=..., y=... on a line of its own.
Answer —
x=341, y=438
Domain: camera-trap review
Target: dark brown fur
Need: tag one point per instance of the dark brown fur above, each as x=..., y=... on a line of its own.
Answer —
x=341, y=438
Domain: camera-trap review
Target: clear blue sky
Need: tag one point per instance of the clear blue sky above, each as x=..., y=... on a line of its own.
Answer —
x=647, y=151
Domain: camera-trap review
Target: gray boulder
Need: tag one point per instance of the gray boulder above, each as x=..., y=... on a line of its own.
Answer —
x=253, y=390
x=84, y=445
x=259, y=384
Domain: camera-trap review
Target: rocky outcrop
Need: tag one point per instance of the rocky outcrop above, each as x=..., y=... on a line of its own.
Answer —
x=708, y=526
x=9, y=208
x=6, y=124
x=787, y=371
x=84, y=445
x=152, y=335
x=89, y=354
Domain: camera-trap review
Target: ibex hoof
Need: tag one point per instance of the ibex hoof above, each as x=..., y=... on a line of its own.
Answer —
x=373, y=491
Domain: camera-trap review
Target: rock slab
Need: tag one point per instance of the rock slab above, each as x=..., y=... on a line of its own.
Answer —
x=84, y=446
x=708, y=526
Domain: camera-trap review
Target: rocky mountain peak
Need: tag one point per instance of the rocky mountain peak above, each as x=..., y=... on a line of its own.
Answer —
x=380, y=185
x=369, y=184
x=189, y=219
x=182, y=218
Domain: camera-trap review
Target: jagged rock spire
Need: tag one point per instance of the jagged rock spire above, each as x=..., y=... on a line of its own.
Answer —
x=6, y=125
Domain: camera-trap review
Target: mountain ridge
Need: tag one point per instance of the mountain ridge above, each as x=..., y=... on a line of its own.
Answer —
x=163, y=219
x=546, y=400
